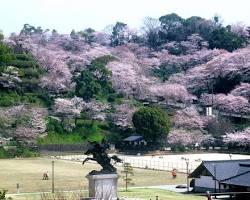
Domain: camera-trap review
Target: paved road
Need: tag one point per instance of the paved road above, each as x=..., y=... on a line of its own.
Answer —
x=171, y=188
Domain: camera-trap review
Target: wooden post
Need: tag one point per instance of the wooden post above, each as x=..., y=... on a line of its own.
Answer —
x=208, y=195
x=53, y=183
x=17, y=188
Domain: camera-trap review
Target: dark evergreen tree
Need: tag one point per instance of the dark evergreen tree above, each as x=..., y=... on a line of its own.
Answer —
x=118, y=34
x=151, y=122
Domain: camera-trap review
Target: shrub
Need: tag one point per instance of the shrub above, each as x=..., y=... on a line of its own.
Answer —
x=24, y=57
x=55, y=125
x=151, y=122
x=56, y=138
x=22, y=63
x=11, y=98
x=5, y=54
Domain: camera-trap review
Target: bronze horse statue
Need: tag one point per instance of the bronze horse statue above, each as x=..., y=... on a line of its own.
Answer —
x=98, y=150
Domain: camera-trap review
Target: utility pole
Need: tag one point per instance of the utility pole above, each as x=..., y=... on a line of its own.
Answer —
x=53, y=183
x=215, y=190
x=212, y=96
x=187, y=162
x=187, y=168
x=210, y=105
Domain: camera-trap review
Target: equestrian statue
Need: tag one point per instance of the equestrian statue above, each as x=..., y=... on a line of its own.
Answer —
x=99, y=154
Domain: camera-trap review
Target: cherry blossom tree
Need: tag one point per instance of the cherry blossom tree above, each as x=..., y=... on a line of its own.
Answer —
x=123, y=115
x=128, y=75
x=126, y=80
x=172, y=66
x=226, y=65
x=102, y=38
x=97, y=110
x=25, y=122
x=68, y=107
x=131, y=71
x=186, y=138
x=38, y=116
x=26, y=134
x=240, y=29
x=227, y=103
x=188, y=119
x=190, y=60
x=60, y=62
x=242, y=90
x=193, y=44
x=172, y=93
x=241, y=138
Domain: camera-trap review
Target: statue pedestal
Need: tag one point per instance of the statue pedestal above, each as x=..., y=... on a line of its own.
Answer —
x=103, y=186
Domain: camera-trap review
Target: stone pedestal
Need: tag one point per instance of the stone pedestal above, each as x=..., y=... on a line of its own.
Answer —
x=103, y=186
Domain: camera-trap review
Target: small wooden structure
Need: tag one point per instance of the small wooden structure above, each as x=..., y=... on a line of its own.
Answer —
x=135, y=140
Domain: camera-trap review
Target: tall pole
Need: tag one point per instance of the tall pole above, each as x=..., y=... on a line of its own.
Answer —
x=187, y=162
x=215, y=181
x=187, y=168
x=126, y=181
x=212, y=96
x=53, y=183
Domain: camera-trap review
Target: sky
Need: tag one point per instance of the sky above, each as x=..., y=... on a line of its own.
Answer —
x=65, y=15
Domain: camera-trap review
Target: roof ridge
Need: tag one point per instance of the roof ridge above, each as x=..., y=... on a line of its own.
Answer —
x=238, y=160
x=236, y=176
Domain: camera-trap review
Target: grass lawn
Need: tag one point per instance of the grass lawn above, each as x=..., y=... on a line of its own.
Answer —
x=68, y=175
x=147, y=193
x=143, y=193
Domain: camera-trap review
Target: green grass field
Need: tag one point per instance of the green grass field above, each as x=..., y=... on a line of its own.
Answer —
x=68, y=175
x=147, y=193
x=141, y=193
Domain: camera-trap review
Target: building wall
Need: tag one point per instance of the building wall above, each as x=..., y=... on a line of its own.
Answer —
x=207, y=183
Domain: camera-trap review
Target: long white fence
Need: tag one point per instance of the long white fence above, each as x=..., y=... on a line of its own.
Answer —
x=158, y=164
x=165, y=162
x=145, y=162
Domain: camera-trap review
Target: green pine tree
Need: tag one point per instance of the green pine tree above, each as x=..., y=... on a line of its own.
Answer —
x=128, y=172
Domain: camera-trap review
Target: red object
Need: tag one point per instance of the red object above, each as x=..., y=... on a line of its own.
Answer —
x=174, y=173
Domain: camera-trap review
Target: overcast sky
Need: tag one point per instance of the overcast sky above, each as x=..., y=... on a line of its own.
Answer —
x=64, y=15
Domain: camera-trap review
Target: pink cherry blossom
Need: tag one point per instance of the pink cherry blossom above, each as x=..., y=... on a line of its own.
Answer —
x=242, y=90
x=68, y=107
x=186, y=138
x=188, y=118
x=227, y=103
x=172, y=93
x=241, y=138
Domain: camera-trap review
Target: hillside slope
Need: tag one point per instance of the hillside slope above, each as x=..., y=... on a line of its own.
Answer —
x=90, y=90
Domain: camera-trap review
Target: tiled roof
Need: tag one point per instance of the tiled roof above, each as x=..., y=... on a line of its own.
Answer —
x=133, y=138
x=234, y=172
x=240, y=180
